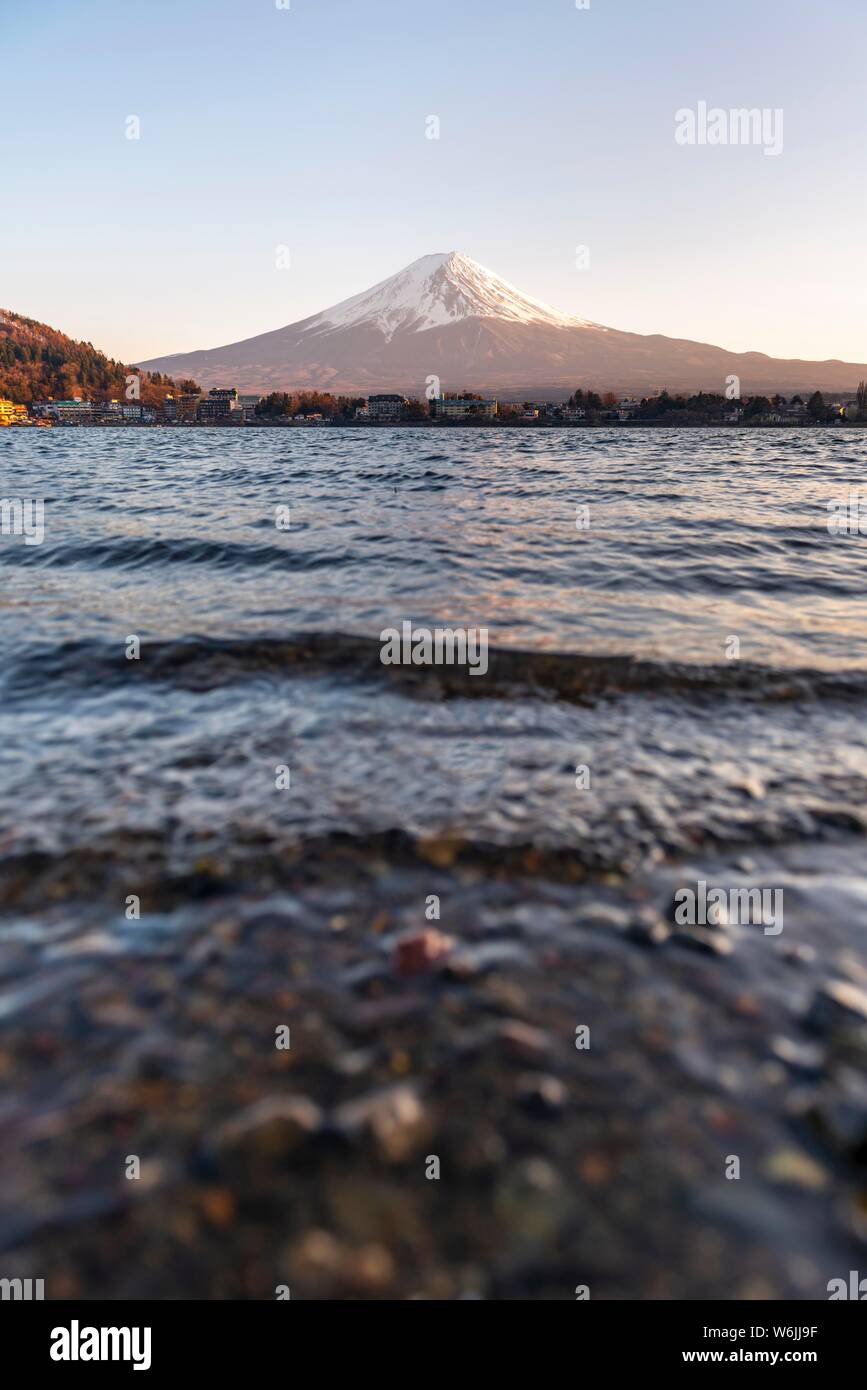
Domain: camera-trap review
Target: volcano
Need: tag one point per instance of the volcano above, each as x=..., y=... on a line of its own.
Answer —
x=447, y=317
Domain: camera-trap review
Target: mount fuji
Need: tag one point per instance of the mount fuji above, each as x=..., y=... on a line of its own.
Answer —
x=448, y=317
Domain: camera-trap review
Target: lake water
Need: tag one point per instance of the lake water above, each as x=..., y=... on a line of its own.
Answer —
x=694, y=538
x=696, y=641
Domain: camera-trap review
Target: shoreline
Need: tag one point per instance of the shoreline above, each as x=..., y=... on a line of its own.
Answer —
x=311, y=1166
x=726, y=426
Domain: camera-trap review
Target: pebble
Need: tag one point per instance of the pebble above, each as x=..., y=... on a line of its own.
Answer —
x=799, y=953
x=541, y=1095
x=375, y=1014
x=605, y=916
x=521, y=1040
x=393, y=1117
x=417, y=952
x=796, y=1169
x=850, y=966
x=838, y=1004
x=472, y=961
x=841, y=1121
x=270, y=1127
x=322, y=1265
x=709, y=943
x=648, y=930
x=804, y=1057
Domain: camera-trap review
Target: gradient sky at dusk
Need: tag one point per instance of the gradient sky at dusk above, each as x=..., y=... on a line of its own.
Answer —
x=306, y=128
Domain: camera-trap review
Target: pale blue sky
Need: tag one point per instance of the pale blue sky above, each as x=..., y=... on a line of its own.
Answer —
x=306, y=127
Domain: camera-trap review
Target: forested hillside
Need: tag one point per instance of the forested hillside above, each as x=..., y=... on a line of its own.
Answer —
x=37, y=361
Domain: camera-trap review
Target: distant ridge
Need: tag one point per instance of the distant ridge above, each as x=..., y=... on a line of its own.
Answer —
x=448, y=317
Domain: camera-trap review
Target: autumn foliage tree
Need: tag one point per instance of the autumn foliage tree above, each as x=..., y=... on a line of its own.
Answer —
x=292, y=403
x=37, y=362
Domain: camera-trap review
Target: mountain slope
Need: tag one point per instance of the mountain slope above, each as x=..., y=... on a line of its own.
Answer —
x=446, y=316
x=37, y=362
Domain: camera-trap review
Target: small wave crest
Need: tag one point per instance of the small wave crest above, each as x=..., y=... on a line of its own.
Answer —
x=206, y=662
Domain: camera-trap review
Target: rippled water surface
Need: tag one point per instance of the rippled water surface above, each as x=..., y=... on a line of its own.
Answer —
x=250, y=658
x=153, y=781
x=693, y=535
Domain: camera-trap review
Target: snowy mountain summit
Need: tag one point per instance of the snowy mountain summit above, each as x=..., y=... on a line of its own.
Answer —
x=446, y=316
x=435, y=292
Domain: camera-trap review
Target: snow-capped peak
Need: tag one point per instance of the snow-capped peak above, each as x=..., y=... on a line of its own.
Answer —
x=436, y=291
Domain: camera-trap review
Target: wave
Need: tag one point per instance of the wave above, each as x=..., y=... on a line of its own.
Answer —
x=169, y=872
x=140, y=552
x=205, y=663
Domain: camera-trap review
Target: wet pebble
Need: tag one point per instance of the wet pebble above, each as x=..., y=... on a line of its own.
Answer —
x=373, y=1015
x=417, y=952
x=707, y=942
x=472, y=961
x=794, y=1168
x=394, y=1118
x=521, y=1041
x=839, y=1117
x=837, y=1005
x=541, y=1096
x=647, y=929
x=799, y=953
x=324, y=1267
x=802, y=1057
x=270, y=1128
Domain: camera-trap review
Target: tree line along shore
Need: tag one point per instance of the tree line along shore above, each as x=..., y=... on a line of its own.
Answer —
x=224, y=406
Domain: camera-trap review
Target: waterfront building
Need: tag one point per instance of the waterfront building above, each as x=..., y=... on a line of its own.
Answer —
x=219, y=404
x=12, y=414
x=386, y=407
x=463, y=408
x=72, y=412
